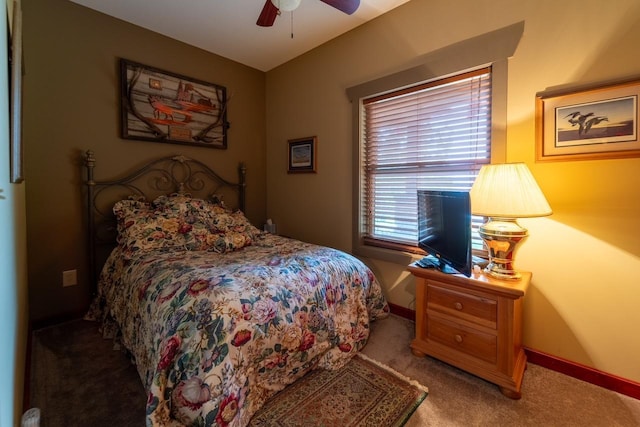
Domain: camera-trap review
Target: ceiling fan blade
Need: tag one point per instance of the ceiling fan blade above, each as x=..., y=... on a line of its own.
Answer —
x=268, y=15
x=346, y=6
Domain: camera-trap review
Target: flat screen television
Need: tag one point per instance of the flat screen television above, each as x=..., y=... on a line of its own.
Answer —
x=444, y=230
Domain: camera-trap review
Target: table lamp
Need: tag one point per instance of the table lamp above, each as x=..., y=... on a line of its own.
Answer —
x=503, y=193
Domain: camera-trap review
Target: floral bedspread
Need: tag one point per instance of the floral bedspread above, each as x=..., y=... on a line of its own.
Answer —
x=215, y=335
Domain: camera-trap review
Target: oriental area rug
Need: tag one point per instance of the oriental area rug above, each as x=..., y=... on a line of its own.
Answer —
x=362, y=393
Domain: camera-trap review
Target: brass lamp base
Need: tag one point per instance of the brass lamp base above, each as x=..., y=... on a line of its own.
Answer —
x=502, y=237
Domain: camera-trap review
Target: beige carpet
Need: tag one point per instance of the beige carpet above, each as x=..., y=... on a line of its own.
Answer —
x=455, y=398
x=549, y=399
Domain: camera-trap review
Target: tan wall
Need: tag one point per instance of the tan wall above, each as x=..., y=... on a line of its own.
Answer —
x=583, y=302
x=71, y=100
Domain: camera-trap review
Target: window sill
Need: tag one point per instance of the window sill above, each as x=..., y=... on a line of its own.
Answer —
x=383, y=254
x=396, y=256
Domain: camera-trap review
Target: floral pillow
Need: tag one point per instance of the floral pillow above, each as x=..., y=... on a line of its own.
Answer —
x=141, y=227
x=126, y=212
x=187, y=205
x=228, y=242
x=181, y=223
x=233, y=222
x=217, y=217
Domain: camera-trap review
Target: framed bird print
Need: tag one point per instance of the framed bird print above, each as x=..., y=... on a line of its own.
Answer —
x=161, y=106
x=589, y=123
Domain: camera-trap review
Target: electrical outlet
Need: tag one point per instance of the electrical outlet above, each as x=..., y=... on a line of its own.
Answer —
x=69, y=278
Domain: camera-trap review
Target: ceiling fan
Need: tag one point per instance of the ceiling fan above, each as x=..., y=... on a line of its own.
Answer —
x=272, y=8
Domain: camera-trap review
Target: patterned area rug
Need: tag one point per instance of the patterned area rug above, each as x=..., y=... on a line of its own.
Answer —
x=363, y=393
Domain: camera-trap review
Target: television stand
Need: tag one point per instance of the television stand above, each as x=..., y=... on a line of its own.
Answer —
x=473, y=323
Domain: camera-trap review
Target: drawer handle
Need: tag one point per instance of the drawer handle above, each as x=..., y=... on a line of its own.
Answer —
x=458, y=306
x=458, y=338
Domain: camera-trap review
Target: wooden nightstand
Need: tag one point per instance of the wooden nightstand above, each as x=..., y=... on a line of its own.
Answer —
x=473, y=323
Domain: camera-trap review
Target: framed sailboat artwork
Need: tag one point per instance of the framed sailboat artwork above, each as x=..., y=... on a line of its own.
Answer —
x=166, y=107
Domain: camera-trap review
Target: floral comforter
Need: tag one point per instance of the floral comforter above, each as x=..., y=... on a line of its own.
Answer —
x=215, y=335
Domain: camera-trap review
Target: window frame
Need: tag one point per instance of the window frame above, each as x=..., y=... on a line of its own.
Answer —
x=402, y=103
x=488, y=50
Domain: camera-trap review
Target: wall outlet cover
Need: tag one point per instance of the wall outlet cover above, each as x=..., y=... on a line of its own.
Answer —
x=69, y=278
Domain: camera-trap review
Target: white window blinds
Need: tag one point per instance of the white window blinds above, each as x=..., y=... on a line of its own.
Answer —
x=432, y=136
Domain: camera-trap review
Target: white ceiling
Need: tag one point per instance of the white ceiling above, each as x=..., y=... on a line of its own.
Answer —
x=228, y=27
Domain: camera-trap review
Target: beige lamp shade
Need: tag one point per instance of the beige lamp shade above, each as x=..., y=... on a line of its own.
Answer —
x=507, y=191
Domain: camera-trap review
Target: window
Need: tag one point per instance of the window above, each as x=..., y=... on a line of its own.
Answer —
x=435, y=135
x=492, y=49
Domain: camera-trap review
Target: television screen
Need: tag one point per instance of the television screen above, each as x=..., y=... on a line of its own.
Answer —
x=444, y=230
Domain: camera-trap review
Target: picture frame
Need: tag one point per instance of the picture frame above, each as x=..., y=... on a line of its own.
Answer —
x=16, y=70
x=161, y=106
x=588, y=123
x=302, y=154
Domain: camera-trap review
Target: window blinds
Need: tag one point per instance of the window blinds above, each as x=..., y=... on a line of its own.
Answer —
x=432, y=136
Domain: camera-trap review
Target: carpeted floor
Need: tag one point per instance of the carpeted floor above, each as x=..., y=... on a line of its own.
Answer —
x=77, y=379
x=99, y=387
x=549, y=399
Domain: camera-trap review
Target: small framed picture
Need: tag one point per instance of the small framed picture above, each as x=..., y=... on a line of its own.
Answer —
x=302, y=155
x=586, y=124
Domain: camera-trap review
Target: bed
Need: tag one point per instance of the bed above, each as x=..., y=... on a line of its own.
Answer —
x=217, y=315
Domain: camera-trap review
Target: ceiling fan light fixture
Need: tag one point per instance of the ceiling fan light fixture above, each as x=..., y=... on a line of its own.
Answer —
x=286, y=5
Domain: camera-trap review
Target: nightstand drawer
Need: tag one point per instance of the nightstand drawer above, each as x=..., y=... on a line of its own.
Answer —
x=475, y=343
x=472, y=308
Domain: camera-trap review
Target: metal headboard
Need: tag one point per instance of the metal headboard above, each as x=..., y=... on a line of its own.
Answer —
x=166, y=175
